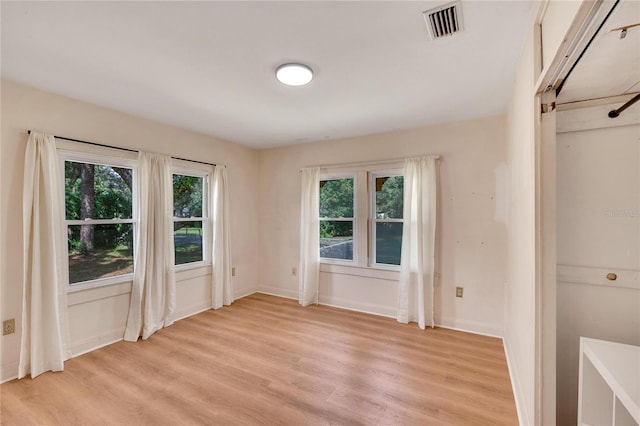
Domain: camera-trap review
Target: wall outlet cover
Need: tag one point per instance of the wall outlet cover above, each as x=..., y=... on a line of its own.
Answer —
x=8, y=326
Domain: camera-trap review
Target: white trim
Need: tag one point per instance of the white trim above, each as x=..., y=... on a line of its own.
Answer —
x=490, y=331
x=373, y=215
x=523, y=418
x=202, y=171
x=353, y=220
x=596, y=117
x=93, y=343
x=102, y=157
x=278, y=292
x=245, y=294
x=190, y=270
x=386, y=274
x=100, y=282
x=107, y=157
x=97, y=293
x=464, y=326
x=10, y=366
x=389, y=162
x=192, y=310
x=188, y=168
x=588, y=275
x=365, y=308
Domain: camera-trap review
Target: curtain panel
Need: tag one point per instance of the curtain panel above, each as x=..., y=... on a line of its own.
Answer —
x=45, y=335
x=153, y=294
x=222, y=285
x=309, y=267
x=415, y=292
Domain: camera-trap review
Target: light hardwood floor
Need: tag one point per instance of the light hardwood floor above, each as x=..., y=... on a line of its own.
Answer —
x=266, y=360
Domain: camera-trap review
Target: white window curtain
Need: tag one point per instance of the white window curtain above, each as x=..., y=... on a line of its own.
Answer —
x=153, y=295
x=45, y=335
x=222, y=285
x=415, y=296
x=309, y=268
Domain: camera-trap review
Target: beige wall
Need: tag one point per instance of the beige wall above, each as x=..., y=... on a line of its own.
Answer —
x=98, y=316
x=265, y=191
x=598, y=233
x=472, y=216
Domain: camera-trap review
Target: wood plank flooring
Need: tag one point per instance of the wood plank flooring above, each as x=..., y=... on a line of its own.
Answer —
x=267, y=361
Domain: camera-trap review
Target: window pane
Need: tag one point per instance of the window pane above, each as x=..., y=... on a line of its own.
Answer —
x=336, y=239
x=99, y=251
x=93, y=191
x=336, y=198
x=388, y=242
x=187, y=196
x=187, y=238
x=389, y=197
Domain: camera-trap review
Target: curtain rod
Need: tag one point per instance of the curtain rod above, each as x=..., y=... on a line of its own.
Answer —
x=123, y=149
x=370, y=163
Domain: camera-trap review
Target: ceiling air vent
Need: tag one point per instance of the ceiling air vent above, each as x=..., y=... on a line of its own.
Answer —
x=444, y=20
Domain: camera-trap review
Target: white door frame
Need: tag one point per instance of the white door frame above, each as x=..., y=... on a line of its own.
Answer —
x=587, y=19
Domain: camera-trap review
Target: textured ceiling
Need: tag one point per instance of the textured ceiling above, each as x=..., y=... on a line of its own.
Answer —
x=209, y=66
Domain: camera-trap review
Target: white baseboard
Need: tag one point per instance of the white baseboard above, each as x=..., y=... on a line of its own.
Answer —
x=523, y=418
x=192, y=310
x=367, y=308
x=279, y=292
x=474, y=327
x=467, y=326
x=9, y=371
x=245, y=293
x=96, y=342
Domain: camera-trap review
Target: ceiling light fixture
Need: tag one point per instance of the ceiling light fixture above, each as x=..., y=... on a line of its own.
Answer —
x=294, y=74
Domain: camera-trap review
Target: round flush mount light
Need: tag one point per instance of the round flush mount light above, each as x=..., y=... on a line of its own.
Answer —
x=294, y=74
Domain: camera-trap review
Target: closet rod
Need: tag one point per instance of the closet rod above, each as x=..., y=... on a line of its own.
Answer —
x=616, y=112
x=123, y=149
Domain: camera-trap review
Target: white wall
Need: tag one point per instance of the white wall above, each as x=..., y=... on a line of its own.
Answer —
x=98, y=316
x=520, y=290
x=529, y=338
x=598, y=233
x=472, y=228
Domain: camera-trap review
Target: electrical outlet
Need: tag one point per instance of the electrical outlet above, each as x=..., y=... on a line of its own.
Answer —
x=8, y=326
x=459, y=291
x=233, y=271
x=294, y=271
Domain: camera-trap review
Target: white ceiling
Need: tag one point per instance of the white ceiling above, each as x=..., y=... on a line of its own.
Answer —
x=209, y=66
x=611, y=65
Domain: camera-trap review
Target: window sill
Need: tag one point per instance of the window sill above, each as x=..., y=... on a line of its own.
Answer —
x=86, y=294
x=379, y=273
x=192, y=270
x=101, y=282
x=185, y=271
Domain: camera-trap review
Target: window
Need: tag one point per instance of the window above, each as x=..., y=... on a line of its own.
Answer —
x=189, y=216
x=386, y=221
x=337, y=218
x=99, y=219
x=369, y=235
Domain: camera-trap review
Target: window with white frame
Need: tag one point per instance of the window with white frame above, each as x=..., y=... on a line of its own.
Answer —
x=190, y=210
x=368, y=236
x=100, y=224
x=337, y=218
x=386, y=217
